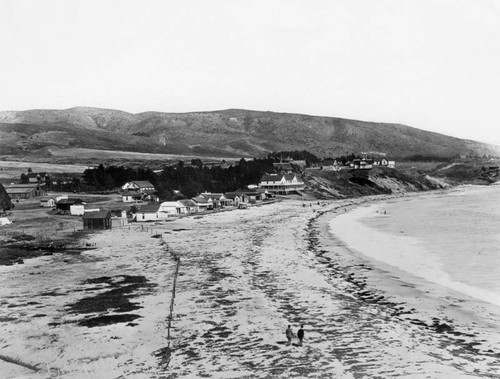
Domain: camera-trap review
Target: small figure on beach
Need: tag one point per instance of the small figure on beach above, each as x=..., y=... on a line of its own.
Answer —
x=300, y=334
x=289, y=334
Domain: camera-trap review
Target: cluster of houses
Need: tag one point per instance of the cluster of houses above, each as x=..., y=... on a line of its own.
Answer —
x=145, y=205
x=330, y=164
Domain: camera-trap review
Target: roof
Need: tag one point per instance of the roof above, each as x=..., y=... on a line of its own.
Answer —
x=232, y=195
x=187, y=202
x=98, y=214
x=142, y=183
x=212, y=195
x=19, y=190
x=149, y=208
x=36, y=174
x=70, y=201
x=47, y=199
x=21, y=185
x=272, y=178
x=200, y=200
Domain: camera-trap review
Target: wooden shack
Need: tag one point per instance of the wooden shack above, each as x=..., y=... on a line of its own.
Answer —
x=97, y=220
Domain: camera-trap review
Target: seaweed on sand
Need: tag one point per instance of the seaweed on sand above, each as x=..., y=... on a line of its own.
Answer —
x=116, y=299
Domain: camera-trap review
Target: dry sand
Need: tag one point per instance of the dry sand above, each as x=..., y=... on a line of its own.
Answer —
x=244, y=276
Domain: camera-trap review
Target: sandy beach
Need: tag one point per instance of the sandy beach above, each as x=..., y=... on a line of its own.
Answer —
x=244, y=276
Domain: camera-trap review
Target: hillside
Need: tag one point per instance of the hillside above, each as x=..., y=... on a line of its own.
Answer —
x=227, y=133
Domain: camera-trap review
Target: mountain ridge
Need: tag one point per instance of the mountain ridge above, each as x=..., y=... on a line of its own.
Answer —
x=230, y=132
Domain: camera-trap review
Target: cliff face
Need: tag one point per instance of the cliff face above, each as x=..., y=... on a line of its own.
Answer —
x=5, y=202
x=346, y=184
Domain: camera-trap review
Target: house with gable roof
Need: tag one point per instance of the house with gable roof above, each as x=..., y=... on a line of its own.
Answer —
x=173, y=208
x=25, y=191
x=138, y=185
x=118, y=218
x=129, y=196
x=233, y=198
x=147, y=212
x=281, y=184
x=100, y=220
x=203, y=204
x=38, y=177
x=48, y=202
x=218, y=199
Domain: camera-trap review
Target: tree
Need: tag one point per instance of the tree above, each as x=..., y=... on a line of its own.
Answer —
x=24, y=178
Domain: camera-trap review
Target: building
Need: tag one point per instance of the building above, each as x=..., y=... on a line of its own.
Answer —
x=329, y=164
x=384, y=163
x=281, y=184
x=202, y=204
x=139, y=186
x=48, y=202
x=63, y=206
x=25, y=191
x=97, y=220
x=172, y=208
x=218, y=199
x=233, y=198
x=40, y=177
x=131, y=196
x=189, y=204
x=362, y=164
x=118, y=218
x=81, y=209
x=147, y=212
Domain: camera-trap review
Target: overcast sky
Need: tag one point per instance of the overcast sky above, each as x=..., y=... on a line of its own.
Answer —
x=433, y=65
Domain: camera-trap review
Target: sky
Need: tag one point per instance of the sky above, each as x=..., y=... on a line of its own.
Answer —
x=430, y=64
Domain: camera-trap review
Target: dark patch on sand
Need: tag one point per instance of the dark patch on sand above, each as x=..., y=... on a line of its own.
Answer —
x=117, y=298
x=108, y=320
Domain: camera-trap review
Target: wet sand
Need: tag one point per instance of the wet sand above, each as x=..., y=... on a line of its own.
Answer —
x=244, y=276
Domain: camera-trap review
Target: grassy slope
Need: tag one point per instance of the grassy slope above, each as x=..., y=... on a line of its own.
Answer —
x=222, y=133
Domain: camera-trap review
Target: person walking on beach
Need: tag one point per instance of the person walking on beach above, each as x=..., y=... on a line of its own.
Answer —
x=300, y=334
x=289, y=335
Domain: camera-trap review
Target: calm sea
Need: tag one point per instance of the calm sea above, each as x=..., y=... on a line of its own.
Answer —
x=449, y=239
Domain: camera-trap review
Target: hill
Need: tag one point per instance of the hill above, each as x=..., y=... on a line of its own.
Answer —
x=227, y=133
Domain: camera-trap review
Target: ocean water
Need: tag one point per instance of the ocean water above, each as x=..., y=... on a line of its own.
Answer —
x=449, y=240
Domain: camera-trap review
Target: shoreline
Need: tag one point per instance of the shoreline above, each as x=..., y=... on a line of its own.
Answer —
x=413, y=297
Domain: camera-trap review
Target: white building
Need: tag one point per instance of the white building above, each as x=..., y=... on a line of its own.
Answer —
x=281, y=184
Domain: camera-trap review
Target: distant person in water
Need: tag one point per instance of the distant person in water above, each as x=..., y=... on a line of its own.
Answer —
x=289, y=334
x=300, y=334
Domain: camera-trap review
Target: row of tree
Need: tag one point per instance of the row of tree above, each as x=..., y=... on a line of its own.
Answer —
x=194, y=177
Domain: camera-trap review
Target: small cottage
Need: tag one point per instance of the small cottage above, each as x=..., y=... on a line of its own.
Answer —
x=63, y=206
x=48, y=202
x=203, y=204
x=147, y=212
x=172, y=208
x=189, y=204
x=131, y=197
x=97, y=220
x=118, y=218
x=234, y=198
